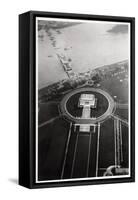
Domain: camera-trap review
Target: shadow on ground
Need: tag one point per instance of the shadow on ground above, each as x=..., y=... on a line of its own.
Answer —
x=13, y=180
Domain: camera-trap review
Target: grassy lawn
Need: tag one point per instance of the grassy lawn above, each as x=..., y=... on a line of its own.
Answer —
x=47, y=111
x=51, y=142
x=116, y=88
x=75, y=110
x=122, y=113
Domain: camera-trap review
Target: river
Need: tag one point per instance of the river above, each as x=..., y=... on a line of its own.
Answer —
x=89, y=45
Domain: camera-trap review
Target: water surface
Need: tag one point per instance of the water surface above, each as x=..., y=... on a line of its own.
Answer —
x=89, y=45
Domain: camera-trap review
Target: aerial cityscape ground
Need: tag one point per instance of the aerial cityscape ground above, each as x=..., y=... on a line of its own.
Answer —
x=83, y=117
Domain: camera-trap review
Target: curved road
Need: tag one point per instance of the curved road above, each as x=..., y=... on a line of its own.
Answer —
x=87, y=121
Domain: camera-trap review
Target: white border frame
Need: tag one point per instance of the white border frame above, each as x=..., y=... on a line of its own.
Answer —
x=36, y=106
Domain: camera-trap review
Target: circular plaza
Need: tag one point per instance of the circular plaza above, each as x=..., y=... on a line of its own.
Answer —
x=102, y=105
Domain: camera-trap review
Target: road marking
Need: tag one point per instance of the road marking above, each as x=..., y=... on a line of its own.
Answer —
x=97, y=159
x=118, y=143
x=66, y=151
x=121, y=142
x=115, y=140
x=89, y=152
x=49, y=121
x=74, y=156
x=120, y=119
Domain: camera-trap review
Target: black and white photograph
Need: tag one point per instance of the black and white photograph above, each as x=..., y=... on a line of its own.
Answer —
x=68, y=92
x=83, y=107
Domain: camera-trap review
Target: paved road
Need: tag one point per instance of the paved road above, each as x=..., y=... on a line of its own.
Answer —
x=81, y=154
x=48, y=121
x=122, y=106
x=107, y=113
x=120, y=119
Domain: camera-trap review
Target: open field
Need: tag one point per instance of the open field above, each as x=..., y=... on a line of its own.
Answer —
x=47, y=111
